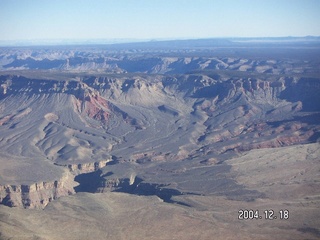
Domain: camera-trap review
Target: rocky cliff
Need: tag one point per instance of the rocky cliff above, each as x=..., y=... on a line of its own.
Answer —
x=38, y=195
x=86, y=167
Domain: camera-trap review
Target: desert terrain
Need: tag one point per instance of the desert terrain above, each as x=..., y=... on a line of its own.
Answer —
x=161, y=140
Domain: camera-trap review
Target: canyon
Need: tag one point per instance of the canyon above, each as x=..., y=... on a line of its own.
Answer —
x=197, y=129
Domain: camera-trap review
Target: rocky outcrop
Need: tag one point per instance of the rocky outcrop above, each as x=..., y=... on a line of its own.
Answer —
x=38, y=195
x=305, y=90
x=247, y=114
x=85, y=167
x=280, y=141
x=87, y=95
x=88, y=102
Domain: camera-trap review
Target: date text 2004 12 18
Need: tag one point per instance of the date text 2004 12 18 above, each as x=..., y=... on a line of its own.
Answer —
x=268, y=214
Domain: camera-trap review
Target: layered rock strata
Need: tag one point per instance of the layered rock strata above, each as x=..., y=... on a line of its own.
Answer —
x=39, y=194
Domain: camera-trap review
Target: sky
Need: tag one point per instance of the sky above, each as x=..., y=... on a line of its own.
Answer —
x=156, y=19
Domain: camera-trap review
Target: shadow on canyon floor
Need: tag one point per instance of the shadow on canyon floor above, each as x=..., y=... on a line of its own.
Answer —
x=219, y=185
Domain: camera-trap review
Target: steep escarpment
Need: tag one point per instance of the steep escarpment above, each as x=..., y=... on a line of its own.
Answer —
x=88, y=100
x=88, y=95
x=305, y=90
x=38, y=195
x=245, y=109
x=86, y=167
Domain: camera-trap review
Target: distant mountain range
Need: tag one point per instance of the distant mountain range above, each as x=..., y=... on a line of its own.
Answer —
x=161, y=42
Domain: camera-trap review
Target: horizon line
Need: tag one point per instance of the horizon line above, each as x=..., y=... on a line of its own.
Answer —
x=114, y=41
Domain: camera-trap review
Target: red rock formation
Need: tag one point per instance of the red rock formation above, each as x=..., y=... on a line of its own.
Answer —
x=89, y=103
x=280, y=141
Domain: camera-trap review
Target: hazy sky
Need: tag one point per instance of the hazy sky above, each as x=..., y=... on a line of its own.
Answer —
x=153, y=19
